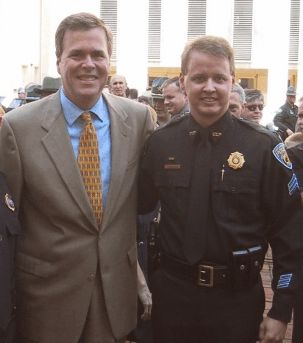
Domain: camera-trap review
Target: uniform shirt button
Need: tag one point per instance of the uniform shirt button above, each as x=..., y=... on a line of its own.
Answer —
x=91, y=277
x=1, y=238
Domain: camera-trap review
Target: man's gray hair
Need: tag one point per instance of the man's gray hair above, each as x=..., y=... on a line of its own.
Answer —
x=253, y=95
x=236, y=88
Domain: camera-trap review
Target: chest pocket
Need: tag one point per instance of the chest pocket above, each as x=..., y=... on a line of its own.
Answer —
x=172, y=179
x=236, y=196
x=173, y=187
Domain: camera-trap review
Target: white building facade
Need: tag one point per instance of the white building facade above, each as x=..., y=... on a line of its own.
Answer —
x=150, y=36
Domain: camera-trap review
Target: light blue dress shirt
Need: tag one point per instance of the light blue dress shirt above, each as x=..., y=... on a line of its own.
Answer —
x=101, y=121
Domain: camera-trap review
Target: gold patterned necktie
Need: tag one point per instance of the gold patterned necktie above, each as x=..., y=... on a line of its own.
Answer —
x=89, y=164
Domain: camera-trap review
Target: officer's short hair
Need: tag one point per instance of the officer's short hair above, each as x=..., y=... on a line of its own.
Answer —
x=236, y=88
x=253, y=95
x=81, y=22
x=173, y=80
x=212, y=45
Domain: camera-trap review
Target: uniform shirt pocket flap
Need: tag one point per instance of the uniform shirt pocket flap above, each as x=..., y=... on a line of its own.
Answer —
x=172, y=178
x=237, y=184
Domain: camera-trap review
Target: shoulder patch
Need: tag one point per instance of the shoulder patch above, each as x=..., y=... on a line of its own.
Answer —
x=281, y=155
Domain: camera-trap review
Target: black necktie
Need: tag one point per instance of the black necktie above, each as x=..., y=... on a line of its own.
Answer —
x=196, y=229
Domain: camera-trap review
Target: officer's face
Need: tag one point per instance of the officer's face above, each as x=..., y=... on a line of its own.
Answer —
x=253, y=111
x=118, y=86
x=174, y=99
x=236, y=107
x=84, y=66
x=291, y=99
x=207, y=84
x=159, y=107
x=300, y=120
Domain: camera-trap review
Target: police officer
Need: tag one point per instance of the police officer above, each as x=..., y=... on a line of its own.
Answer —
x=9, y=229
x=286, y=117
x=163, y=116
x=226, y=190
x=294, y=146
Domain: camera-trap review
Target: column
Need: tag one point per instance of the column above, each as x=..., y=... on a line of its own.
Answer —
x=132, y=42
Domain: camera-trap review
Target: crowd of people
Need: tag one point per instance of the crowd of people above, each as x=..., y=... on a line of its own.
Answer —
x=147, y=218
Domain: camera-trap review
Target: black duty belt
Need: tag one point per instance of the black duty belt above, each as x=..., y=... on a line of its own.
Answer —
x=204, y=274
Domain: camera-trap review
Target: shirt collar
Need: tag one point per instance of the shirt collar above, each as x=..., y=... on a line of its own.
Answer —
x=72, y=112
x=215, y=131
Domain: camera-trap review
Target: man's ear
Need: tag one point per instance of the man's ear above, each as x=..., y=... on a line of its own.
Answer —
x=181, y=80
x=57, y=65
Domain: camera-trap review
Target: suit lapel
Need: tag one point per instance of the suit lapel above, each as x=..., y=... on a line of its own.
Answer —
x=58, y=145
x=120, y=134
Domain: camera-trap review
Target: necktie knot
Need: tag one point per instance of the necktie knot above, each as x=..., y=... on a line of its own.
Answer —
x=86, y=117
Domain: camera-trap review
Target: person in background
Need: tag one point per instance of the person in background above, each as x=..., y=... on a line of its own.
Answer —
x=118, y=85
x=143, y=99
x=163, y=116
x=9, y=231
x=300, y=107
x=226, y=191
x=2, y=113
x=77, y=260
x=21, y=93
x=286, y=117
x=133, y=94
x=294, y=147
x=50, y=85
x=175, y=100
x=254, y=104
x=237, y=100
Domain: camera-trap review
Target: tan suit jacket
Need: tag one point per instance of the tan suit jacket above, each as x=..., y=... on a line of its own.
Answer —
x=61, y=248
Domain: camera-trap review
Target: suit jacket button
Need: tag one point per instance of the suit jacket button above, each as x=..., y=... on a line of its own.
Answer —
x=91, y=277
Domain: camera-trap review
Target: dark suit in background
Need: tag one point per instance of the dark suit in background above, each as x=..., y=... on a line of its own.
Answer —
x=9, y=230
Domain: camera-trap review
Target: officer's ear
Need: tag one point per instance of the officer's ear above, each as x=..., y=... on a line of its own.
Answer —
x=182, y=86
x=233, y=78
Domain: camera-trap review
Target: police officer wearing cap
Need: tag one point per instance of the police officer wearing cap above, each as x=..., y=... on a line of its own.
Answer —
x=9, y=230
x=286, y=117
x=226, y=190
x=163, y=116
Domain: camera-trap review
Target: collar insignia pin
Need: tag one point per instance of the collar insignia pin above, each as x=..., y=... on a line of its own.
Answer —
x=9, y=202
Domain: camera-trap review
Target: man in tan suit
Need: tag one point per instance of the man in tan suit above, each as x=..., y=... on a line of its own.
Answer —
x=76, y=280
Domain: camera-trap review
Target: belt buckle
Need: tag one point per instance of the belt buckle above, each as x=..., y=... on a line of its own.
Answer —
x=205, y=275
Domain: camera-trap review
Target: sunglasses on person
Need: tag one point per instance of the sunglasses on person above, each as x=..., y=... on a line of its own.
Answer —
x=252, y=108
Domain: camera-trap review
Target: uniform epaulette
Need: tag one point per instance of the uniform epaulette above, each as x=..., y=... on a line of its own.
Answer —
x=171, y=123
x=257, y=127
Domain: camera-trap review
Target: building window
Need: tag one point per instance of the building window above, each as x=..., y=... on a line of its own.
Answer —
x=154, y=30
x=294, y=31
x=196, y=18
x=108, y=13
x=242, y=33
